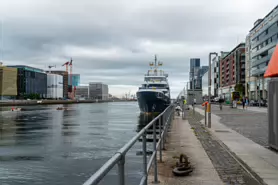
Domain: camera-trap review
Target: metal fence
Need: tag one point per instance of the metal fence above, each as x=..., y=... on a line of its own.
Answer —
x=164, y=120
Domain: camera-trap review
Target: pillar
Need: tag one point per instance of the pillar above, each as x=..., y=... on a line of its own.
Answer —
x=256, y=90
x=264, y=91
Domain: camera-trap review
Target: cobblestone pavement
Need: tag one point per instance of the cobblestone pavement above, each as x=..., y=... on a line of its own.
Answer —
x=228, y=169
x=252, y=125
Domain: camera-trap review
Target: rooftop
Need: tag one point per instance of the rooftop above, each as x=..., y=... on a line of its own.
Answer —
x=238, y=46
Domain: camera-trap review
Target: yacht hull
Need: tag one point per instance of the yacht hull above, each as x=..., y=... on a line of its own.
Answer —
x=151, y=101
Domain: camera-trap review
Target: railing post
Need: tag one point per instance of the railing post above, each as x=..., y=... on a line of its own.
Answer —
x=121, y=167
x=160, y=146
x=205, y=115
x=164, y=126
x=145, y=163
x=155, y=154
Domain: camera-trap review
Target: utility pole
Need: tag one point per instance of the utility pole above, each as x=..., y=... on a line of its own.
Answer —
x=1, y=43
x=209, y=89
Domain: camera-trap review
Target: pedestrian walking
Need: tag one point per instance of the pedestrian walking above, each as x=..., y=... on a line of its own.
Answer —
x=246, y=102
x=243, y=103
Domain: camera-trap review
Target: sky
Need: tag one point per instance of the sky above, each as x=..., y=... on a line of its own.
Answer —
x=113, y=41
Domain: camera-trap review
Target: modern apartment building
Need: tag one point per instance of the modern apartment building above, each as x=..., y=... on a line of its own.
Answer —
x=98, y=90
x=215, y=75
x=82, y=92
x=8, y=82
x=30, y=81
x=65, y=81
x=232, y=70
x=260, y=44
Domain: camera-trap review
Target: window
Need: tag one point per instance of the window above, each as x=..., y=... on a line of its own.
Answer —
x=266, y=42
x=266, y=31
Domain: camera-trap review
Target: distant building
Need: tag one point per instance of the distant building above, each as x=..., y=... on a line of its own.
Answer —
x=98, y=90
x=8, y=82
x=65, y=81
x=30, y=81
x=82, y=92
x=75, y=80
x=260, y=45
x=196, y=73
x=205, y=82
x=54, y=86
x=232, y=70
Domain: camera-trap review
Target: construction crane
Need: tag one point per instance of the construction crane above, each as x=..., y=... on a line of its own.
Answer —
x=70, y=64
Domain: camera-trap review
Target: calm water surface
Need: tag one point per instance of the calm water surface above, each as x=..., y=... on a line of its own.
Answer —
x=41, y=145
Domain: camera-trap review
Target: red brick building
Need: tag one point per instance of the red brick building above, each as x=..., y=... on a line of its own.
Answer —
x=232, y=69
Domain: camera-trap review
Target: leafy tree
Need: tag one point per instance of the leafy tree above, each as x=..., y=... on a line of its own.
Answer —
x=240, y=88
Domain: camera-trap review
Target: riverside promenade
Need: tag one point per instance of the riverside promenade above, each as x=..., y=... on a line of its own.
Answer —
x=234, y=151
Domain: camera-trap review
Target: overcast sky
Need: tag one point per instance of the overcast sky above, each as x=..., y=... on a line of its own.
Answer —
x=112, y=41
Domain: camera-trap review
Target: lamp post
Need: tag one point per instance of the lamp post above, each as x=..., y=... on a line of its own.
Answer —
x=209, y=88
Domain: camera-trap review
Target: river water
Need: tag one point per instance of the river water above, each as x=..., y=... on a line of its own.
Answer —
x=41, y=145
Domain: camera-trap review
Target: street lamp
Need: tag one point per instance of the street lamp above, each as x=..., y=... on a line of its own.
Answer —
x=209, y=88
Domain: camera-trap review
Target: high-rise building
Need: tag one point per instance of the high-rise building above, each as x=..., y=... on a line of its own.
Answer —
x=260, y=44
x=98, y=90
x=196, y=73
x=8, y=82
x=30, y=81
x=232, y=70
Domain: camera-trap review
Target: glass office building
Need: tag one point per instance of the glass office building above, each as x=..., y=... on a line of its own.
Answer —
x=75, y=80
x=261, y=42
x=30, y=80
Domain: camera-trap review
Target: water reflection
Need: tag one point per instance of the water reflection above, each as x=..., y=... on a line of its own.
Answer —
x=42, y=145
x=143, y=120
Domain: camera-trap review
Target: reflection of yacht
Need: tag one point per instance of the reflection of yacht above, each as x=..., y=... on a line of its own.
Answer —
x=154, y=95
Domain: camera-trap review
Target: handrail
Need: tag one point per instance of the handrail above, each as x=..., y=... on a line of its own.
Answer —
x=164, y=120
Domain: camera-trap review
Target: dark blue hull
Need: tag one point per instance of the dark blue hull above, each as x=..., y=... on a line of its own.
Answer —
x=151, y=101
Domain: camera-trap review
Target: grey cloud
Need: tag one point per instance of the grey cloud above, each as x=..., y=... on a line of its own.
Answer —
x=37, y=33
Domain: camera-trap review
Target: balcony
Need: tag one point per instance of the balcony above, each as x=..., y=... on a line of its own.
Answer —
x=263, y=49
x=260, y=71
x=255, y=62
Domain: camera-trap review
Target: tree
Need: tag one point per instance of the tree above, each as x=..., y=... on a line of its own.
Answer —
x=240, y=88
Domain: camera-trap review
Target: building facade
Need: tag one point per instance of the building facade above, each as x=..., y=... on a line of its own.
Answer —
x=65, y=81
x=205, y=82
x=82, y=92
x=260, y=44
x=8, y=82
x=216, y=75
x=195, y=74
x=232, y=70
x=54, y=86
x=30, y=81
x=75, y=80
x=98, y=90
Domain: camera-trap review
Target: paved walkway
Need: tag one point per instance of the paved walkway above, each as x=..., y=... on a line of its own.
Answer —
x=251, y=123
x=255, y=157
x=183, y=140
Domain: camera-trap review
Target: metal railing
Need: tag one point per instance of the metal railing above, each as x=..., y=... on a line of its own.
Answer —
x=164, y=120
